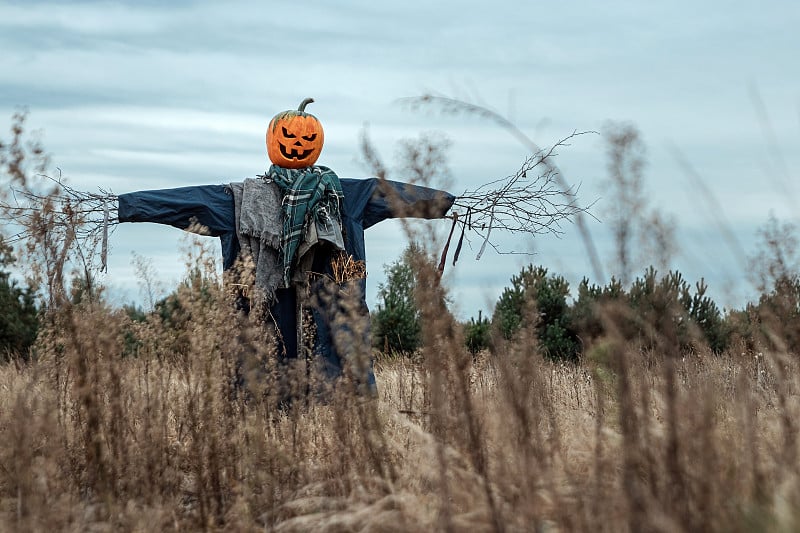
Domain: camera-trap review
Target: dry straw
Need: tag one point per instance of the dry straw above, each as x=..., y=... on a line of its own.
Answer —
x=345, y=269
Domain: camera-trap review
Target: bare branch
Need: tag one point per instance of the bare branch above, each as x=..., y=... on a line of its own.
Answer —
x=65, y=207
x=57, y=225
x=455, y=106
x=529, y=201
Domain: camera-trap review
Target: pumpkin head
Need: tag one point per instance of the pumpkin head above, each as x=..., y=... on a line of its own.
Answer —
x=294, y=138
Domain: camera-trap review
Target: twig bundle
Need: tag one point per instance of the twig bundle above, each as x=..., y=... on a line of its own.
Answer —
x=86, y=214
x=554, y=179
x=529, y=201
x=59, y=224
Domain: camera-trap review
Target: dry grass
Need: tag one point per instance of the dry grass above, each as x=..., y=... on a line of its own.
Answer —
x=95, y=441
x=123, y=426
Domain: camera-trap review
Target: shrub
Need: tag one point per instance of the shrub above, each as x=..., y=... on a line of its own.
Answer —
x=776, y=271
x=477, y=334
x=587, y=307
x=653, y=311
x=709, y=319
x=535, y=295
x=660, y=310
x=773, y=322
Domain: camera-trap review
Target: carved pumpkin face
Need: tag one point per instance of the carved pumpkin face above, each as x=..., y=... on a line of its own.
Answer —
x=295, y=138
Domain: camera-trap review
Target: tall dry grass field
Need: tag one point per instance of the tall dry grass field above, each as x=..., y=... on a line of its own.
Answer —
x=162, y=439
x=176, y=423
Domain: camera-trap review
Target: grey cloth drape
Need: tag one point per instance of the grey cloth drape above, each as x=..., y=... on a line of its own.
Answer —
x=259, y=222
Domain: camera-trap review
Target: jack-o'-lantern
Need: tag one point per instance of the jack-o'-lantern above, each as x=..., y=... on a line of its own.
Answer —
x=295, y=138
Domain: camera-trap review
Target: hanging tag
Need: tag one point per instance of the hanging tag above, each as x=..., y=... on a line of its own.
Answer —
x=447, y=245
x=104, y=246
x=461, y=239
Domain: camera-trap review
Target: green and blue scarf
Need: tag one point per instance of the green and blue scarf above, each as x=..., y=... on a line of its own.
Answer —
x=307, y=194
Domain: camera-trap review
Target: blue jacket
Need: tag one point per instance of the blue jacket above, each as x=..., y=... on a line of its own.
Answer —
x=366, y=202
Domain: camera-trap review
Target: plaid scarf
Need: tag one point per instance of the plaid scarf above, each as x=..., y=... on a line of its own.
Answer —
x=309, y=194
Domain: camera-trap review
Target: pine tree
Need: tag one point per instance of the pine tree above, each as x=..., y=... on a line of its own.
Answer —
x=396, y=322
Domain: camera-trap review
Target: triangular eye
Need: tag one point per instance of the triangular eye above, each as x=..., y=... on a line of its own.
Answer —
x=287, y=134
x=310, y=137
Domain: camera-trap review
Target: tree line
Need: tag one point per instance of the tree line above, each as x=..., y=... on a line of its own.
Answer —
x=657, y=311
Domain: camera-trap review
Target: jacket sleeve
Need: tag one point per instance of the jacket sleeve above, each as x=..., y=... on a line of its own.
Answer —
x=206, y=209
x=391, y=199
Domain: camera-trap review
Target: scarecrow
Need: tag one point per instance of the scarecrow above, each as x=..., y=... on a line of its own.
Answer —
x=300, y=227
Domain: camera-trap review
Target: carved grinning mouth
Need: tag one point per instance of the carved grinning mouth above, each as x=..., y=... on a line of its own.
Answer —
x=294, y=154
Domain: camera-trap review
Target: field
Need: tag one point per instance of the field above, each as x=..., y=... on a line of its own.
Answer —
x=176, y=420
x=95, y=438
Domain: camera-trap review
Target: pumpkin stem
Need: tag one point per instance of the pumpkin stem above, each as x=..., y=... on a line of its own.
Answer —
x=304, y=103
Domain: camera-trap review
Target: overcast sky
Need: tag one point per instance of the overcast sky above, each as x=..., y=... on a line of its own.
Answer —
x=149, y=94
